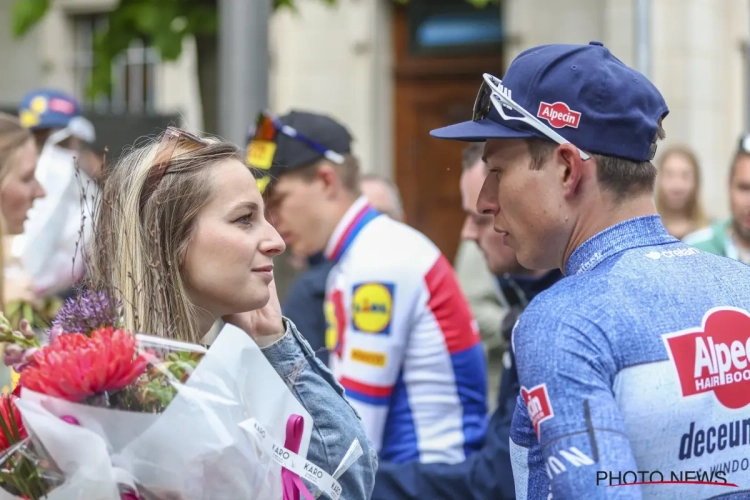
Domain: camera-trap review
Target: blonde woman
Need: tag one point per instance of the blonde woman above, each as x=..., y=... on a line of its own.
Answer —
x=678, y=187
x=181, y=240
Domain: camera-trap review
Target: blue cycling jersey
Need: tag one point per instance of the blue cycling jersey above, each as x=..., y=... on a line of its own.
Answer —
x=635, y=373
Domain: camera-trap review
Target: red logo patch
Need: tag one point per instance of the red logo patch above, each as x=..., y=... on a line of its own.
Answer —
x=559, y=115
x=714, y=358
x=537, y=402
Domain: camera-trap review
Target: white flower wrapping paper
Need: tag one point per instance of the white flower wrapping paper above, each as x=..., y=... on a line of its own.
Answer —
x=195, y=449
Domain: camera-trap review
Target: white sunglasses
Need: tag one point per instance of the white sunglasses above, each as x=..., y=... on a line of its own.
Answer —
x=492, y=93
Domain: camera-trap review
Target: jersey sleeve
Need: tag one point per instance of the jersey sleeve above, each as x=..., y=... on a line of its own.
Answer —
x=568, y=438
x=372, y=351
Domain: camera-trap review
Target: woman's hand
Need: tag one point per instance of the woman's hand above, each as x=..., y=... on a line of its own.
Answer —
x=264, y=325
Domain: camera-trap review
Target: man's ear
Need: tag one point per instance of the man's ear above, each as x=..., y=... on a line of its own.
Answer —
x=572, y=168
x=327, y=175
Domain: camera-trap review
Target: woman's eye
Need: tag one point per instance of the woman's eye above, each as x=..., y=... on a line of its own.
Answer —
x=245, y=219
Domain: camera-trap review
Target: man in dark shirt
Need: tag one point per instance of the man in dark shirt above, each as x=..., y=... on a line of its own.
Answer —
x=304, y=303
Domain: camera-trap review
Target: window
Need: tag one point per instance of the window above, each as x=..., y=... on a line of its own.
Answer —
x=453, y=27
x=133, y=72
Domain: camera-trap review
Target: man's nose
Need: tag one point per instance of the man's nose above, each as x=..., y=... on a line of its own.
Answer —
x=487, y=201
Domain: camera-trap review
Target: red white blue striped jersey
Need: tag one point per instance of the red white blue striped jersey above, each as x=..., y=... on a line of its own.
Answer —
x=404, y=343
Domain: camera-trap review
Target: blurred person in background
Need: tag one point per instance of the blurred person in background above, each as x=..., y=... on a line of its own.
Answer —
x=304, y=304
x=18, y=190
x=51, y=248
x=401, y=335
x=383, y=195
x=678, y=192
x=45, y=111
x=731, y=237
x=480, y=286
x=487, y=473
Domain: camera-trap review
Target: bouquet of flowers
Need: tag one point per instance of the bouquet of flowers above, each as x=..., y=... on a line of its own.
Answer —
x=103, y=413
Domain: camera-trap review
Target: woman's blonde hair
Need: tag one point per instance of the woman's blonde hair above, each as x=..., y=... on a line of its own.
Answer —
x=13, y=136
x=142, y=231
x=694, y=207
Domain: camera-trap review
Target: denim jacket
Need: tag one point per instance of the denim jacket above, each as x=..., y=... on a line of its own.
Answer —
x=336, y=424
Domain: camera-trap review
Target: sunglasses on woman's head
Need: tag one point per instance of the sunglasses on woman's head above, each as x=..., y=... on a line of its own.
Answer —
x=167, y=145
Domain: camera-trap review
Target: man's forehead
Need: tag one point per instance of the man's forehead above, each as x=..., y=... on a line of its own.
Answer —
x=500, y=149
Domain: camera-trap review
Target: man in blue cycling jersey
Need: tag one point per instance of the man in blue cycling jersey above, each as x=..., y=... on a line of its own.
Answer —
x=635, y=367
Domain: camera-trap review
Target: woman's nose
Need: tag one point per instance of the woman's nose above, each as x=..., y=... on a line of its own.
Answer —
x=273, y=244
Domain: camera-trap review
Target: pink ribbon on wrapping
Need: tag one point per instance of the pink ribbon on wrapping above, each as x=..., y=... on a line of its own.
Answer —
x=293, y=485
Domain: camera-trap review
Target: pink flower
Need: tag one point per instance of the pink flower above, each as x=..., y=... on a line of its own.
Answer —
x=74, y=366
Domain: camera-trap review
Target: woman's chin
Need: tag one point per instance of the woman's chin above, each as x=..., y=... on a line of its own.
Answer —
x=257, y=301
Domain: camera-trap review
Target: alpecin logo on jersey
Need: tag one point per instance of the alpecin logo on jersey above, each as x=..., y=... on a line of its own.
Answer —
x=715, y=357
x=538, y=405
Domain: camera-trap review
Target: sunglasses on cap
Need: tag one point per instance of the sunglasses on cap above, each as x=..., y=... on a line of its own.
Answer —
x=262, y=146
x=164, y=153
x=493, y=94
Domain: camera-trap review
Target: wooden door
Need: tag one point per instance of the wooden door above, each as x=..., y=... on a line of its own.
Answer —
x=431, y=92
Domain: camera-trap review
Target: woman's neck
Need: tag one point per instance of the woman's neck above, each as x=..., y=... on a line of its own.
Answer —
x=204, y=322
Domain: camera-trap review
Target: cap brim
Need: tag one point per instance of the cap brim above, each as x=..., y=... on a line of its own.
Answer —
x=478, y=131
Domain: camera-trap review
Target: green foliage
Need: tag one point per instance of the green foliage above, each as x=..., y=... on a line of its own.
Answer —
x=26, y=14
x=162, y=23
x=481, y=3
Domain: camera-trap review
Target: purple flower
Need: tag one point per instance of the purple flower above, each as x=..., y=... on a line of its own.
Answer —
x=85, y=313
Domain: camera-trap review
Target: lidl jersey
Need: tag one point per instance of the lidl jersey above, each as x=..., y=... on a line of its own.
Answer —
x=404, y=344
x=635, y=373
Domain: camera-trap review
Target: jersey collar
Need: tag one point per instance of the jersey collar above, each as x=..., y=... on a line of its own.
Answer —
x=357, y=217
x=633, y=233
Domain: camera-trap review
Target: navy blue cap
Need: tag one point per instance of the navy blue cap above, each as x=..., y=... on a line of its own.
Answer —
x=582, y=92
x=46, y=108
